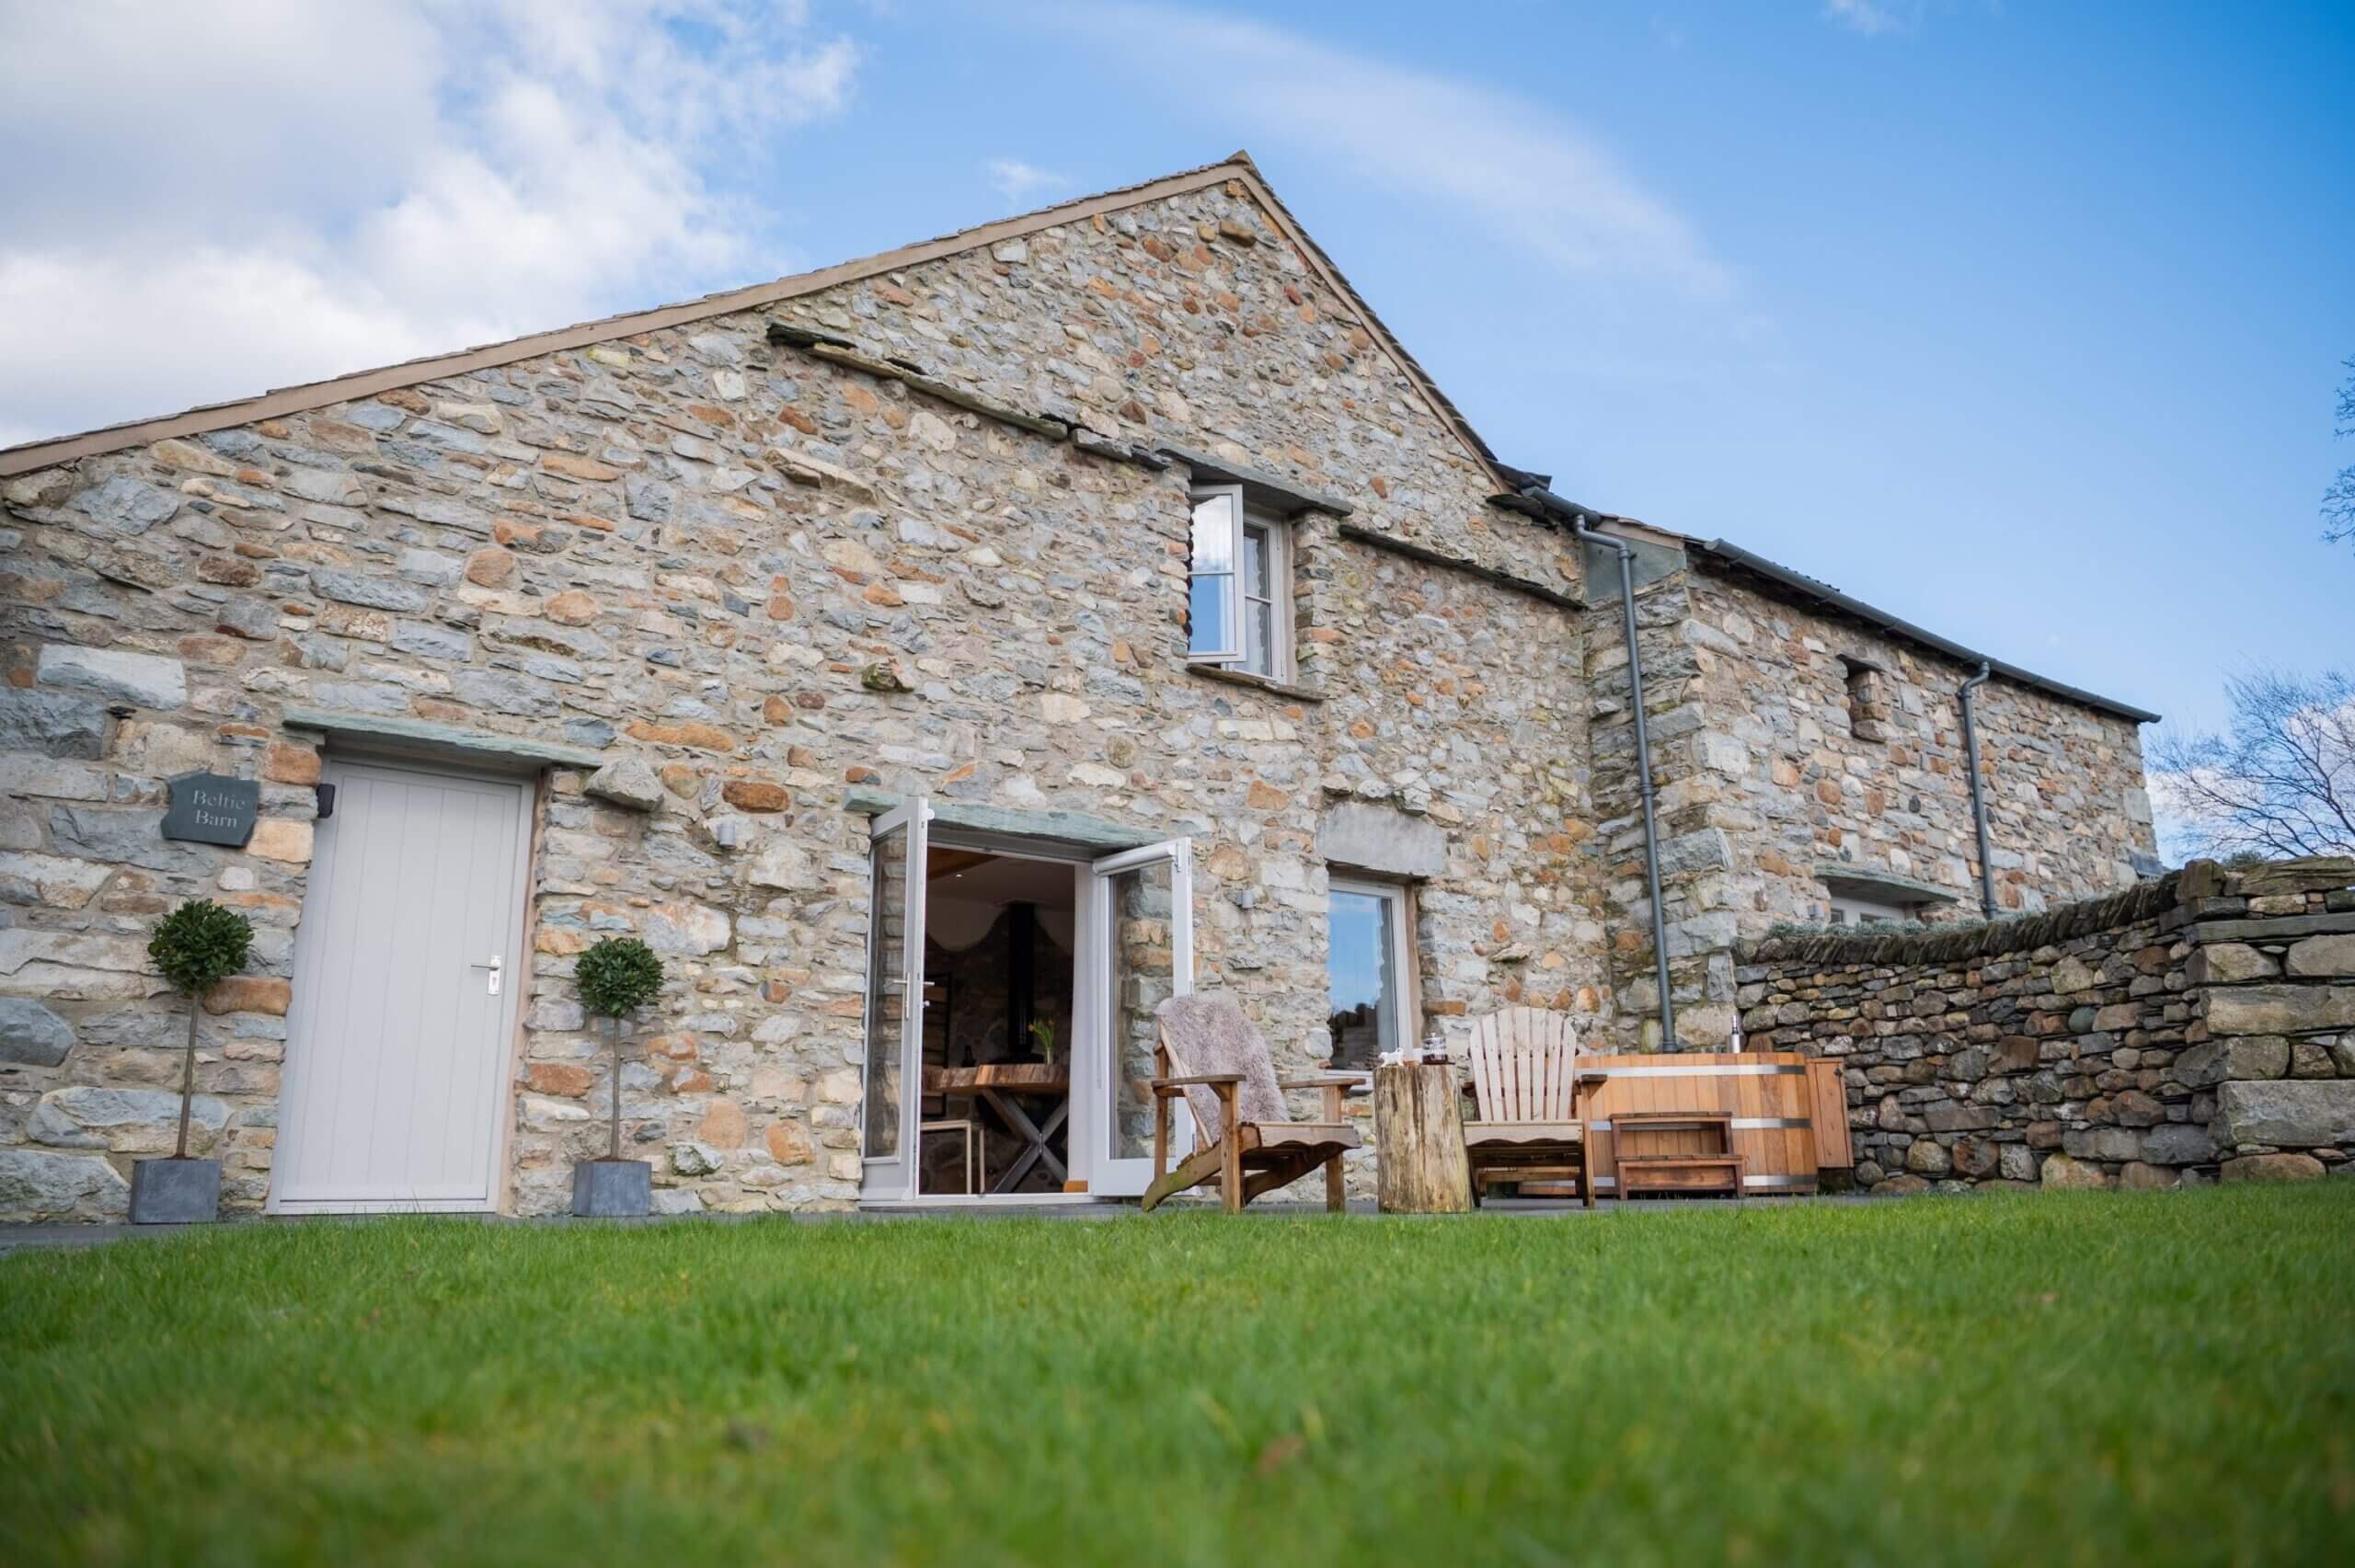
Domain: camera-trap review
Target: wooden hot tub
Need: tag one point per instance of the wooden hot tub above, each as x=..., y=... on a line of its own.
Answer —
x=1790, y=1111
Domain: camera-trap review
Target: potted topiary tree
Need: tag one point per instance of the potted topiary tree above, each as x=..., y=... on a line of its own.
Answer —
x=615, y=979
x=196, y=947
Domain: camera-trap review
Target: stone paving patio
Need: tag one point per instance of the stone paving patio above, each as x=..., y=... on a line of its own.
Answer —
x=40, y=1238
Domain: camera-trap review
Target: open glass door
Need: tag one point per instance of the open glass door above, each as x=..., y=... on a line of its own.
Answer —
x=1140, y=920
x=893, y=1075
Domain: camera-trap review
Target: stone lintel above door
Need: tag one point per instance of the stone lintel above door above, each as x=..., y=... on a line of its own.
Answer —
x=451, y=742
x=1072, y=828
x=1381, y=839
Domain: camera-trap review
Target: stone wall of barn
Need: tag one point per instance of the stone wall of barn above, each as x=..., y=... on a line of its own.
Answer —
x=775, y=573
x=2197, y=1026
x=1462, y=707
x=1766, y=778
x=1886, y=788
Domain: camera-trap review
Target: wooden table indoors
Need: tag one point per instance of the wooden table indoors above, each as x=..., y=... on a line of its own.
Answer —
x=1002, y=1086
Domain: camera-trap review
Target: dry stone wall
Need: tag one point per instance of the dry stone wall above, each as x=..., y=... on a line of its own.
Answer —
x=747, y=577
x=2199, y=1025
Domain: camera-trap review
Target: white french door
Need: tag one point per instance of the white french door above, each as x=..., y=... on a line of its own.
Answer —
x=1137, y=950
x=1134, y=948
x=893, y=1072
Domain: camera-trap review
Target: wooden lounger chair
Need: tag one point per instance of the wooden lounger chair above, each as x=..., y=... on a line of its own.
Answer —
x=1525, y=1079
x=1211, y=1054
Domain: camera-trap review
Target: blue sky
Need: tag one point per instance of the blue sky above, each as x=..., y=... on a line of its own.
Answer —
x=2020, y=320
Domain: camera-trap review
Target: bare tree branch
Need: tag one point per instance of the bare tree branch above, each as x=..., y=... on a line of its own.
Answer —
x=2338, y=501
x=2280, y=783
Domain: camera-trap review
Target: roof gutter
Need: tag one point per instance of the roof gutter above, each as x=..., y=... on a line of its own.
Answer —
x=1537, y=500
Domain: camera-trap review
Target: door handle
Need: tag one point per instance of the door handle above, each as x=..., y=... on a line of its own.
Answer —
x=494, y=967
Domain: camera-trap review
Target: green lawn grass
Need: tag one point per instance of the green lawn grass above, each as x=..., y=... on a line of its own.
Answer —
x=2090, y=1378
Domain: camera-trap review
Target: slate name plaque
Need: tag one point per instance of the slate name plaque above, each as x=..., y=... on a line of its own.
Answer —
x=209, y=810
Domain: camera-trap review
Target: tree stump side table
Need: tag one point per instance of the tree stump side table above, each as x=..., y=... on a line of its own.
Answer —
x=1419, y=1163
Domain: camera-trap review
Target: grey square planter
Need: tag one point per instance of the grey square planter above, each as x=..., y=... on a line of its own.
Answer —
x=175, y=1192
x=612, y=1189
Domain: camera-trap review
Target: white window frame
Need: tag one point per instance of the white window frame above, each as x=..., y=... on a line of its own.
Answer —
x=893, y=1176
x=1241, y=517
x=1093, y=1066
x=1406, y=991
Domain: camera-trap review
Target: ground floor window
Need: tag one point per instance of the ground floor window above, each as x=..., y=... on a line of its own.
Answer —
x=1859, y=895
x=1849, y=909
x=1369, y=970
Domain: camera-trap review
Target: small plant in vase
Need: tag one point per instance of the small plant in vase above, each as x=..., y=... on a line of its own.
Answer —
x=195, y=949
x=615, y=979
x=1043, y=1035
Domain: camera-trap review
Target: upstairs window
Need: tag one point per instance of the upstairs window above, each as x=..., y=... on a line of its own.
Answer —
x=1240, y=586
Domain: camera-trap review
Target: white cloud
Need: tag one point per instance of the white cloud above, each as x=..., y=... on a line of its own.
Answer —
x=1865, y=16
x=1524, y=171
x=208, y=200
x=1017, y=181
x=94, y=337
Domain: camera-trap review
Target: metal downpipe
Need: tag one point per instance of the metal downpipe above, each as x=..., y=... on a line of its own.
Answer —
x=1643, y=771
x=1977, y=791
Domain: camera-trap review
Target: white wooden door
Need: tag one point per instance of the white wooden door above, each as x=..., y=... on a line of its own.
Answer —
x=1137, y=949
x=891, y=1106
x=407, y=966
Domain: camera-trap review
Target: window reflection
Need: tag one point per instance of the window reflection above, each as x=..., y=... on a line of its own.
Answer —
x=1360, y=989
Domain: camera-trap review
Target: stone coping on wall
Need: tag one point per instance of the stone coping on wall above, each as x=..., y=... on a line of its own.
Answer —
x=1985, y=938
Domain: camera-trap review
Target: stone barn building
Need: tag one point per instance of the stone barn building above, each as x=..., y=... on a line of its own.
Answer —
x=937, y=658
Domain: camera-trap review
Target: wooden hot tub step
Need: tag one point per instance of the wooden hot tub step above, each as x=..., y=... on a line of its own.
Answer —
x=1680, y=1173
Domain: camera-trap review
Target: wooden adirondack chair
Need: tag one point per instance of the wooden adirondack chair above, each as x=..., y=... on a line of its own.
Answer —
x=1210, y=1054
x=1525, y=1079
